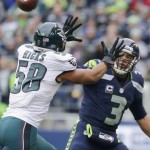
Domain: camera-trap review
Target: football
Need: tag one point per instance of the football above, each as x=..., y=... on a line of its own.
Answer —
x=27, y=5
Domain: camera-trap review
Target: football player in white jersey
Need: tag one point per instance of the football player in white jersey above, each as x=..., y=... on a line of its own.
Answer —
x=42, y=67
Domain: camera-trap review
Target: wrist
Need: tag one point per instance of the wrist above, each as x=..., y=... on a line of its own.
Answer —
x=108, y=61
x=106, y=64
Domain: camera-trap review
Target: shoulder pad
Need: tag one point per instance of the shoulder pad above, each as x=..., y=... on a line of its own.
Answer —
x=137, y=77
x=62, y=56
x=66, y=61
x=25, y=46
x=29, y=46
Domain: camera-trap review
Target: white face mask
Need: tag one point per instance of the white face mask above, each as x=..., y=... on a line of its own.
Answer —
x=125, y=63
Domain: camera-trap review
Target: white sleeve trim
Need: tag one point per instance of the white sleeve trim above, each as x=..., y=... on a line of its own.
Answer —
x=137, y=86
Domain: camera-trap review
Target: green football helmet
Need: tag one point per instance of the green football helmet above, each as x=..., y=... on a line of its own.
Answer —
x=50, y=36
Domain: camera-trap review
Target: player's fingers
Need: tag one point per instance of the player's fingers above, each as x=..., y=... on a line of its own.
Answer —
x=77, y=39
x=77, y=26
x=118, y=51
x=103, y=45
x=66, y=22
x=73, y=38
x=116, y=42
x=72, y=29
x=69, y=20
x=73, y=22
x=120, y=46
x=114, y=45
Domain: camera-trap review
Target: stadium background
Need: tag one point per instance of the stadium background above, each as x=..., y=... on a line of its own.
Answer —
x=102, y=20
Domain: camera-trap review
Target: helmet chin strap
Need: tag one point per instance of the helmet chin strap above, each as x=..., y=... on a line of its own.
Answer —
x=120, y=72
x=122, y=75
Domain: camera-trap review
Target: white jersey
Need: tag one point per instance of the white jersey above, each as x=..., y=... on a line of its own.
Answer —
x=35, y=83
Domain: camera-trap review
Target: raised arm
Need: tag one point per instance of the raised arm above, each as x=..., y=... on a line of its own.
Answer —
x=84, y=76
x=87, y=76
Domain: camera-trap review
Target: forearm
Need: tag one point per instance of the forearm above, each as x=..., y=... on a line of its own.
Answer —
x=145, y=125
x=97, y=72
x=84, y=76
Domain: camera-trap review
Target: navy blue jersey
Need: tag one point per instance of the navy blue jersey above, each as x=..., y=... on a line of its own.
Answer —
x=104, y=102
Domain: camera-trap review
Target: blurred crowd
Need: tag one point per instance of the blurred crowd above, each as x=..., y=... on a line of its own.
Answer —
x=102, y=20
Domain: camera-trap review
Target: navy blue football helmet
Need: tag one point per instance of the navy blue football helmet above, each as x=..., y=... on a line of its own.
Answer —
x=50, y=36
x=131, y=48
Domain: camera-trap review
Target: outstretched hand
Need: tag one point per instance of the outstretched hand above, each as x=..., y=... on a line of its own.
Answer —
x=111, y=55
x=69, y=27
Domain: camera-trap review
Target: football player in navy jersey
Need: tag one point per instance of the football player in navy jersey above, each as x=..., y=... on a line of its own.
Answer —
x=104, y=103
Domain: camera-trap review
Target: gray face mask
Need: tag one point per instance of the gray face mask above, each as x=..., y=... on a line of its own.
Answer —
x=125, y=65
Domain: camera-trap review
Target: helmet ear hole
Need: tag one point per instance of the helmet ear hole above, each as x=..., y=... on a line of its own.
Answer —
x=50, y=36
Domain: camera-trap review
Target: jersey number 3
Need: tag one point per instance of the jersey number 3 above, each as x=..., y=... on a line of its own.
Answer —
x=116, y=111
x=34, y=76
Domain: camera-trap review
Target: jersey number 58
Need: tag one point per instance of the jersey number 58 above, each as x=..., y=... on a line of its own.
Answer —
x=35, y=74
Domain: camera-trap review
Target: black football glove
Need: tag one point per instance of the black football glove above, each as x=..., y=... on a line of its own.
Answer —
x=111, y=55
x=69, y=27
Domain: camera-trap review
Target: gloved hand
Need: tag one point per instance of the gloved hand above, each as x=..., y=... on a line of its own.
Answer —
x=69, y=27
x=111, y=55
